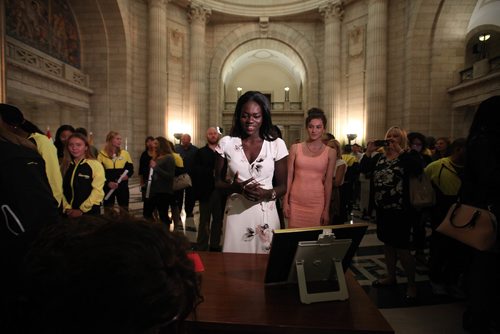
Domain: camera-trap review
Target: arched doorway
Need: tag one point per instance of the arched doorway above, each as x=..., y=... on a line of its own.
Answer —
x=292, y=60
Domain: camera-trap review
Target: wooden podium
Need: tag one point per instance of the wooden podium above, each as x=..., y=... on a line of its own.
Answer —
x=237, y=301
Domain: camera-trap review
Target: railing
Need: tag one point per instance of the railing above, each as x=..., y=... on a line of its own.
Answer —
x=468, y=73
x=275, y=106
x=41, y=63
x=495, y=64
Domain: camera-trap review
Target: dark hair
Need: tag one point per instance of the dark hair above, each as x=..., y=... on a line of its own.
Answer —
x=315, y=113
x=57, y=141
x=329, y=136
x=458, y=143
x=266, y=130
x=431, y=142
x=13, y=116
x=486, y=118
x=171, y=145
x=82, y=131
x=417, y=135
x=163, y=146
x=278, y=131
x=114, y=274
x=148, y=138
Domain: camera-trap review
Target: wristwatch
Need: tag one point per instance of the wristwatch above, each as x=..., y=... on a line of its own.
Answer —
x=273, y=195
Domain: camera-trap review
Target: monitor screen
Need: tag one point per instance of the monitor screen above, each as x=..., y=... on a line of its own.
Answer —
x=285, y=244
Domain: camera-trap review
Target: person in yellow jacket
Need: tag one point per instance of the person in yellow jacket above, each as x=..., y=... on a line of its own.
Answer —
x=446, y=260
x=83, y=178
x=115, y=161
x=15, y=122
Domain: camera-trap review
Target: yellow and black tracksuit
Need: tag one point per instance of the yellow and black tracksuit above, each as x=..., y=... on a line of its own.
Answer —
x=83, y=186
x=48, y=152
x=114, y=168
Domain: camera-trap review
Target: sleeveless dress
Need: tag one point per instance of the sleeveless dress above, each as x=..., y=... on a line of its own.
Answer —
x=249, y=226
x=307, y=193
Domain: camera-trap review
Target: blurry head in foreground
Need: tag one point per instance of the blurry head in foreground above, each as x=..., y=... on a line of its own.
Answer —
x=109, y=275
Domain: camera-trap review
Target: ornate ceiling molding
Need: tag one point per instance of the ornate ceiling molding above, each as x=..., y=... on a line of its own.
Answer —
x=263, y=8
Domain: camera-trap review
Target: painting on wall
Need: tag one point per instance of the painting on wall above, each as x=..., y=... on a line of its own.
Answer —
x=46, y=25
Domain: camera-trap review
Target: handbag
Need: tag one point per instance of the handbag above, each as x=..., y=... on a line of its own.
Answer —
x=421, y=192
x=470, y=225
x=181, y=181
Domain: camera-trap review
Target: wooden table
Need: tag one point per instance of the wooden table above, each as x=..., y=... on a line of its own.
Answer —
x=237, y=301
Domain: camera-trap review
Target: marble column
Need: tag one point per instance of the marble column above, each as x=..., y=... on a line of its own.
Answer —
x=332, y=12
x=376, y=69
x=198, y=16
x=157, y=68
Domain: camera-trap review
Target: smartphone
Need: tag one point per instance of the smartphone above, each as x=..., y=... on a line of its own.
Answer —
x=381, y=142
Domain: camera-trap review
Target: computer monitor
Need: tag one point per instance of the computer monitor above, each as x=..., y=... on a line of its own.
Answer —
x=285, y=243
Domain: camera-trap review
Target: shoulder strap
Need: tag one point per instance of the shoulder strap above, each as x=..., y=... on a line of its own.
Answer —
x=443, y=166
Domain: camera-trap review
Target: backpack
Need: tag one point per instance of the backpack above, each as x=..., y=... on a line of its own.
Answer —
x=26, y=200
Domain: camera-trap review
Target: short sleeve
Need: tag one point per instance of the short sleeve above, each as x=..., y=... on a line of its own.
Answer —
x=279, y=149
x=222, y=145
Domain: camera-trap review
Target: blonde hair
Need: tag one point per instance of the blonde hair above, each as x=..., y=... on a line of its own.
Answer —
x=335, y=144
x=401, y=133
x=109, y=149
x=67, y=158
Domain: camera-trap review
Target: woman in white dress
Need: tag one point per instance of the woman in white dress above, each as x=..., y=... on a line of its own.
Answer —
x=253, y=155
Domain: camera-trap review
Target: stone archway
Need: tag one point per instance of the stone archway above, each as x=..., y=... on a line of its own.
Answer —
x=104, y=46
x=278, y=37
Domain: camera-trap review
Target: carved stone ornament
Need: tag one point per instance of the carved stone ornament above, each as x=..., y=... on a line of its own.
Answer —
x=264, y=26
x=332, y=9
x=176, y=44
x=356, y=41
x=198, y=12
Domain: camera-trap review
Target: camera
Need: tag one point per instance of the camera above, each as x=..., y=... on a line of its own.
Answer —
x=381, y=142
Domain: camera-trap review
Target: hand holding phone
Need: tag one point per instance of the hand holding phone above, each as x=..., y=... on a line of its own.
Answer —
x=382, y=142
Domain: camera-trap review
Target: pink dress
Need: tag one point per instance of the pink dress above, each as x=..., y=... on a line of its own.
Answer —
x=307, y=193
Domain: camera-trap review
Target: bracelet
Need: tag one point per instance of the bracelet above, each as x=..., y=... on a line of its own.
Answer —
x=273, y=195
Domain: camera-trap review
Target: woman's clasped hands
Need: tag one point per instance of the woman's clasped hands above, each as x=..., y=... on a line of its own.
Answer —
x=251, y=189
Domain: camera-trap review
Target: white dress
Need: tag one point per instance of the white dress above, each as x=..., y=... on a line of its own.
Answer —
x=249, y=226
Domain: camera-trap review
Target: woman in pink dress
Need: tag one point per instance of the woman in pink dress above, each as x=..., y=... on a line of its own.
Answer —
x=310, y=174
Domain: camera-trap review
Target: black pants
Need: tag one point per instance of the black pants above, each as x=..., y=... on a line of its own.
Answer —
x=121, y=194
x=483, y=293
x=212, y=207
x=160, y=202
x=189, y=200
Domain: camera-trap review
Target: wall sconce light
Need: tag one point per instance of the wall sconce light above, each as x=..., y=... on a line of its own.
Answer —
x=351, y=137
x=482, y=45
x=239, y=89
x=484, y=37
x=178, y=136
x=220, y=130
x=287, y=93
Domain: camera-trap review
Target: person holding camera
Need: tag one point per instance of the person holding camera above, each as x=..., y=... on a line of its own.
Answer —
x=391, y=171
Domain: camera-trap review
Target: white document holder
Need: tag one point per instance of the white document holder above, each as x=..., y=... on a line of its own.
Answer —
x=317, y=268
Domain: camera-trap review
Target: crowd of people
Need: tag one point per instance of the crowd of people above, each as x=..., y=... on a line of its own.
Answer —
x=248, y=184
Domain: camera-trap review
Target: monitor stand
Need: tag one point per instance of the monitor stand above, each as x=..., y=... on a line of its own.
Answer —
x=307, y=288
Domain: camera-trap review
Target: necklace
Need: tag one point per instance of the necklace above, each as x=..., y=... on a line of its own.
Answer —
x=314, y=150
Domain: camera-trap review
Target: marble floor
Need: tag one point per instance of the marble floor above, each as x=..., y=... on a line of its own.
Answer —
x=429, y=314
